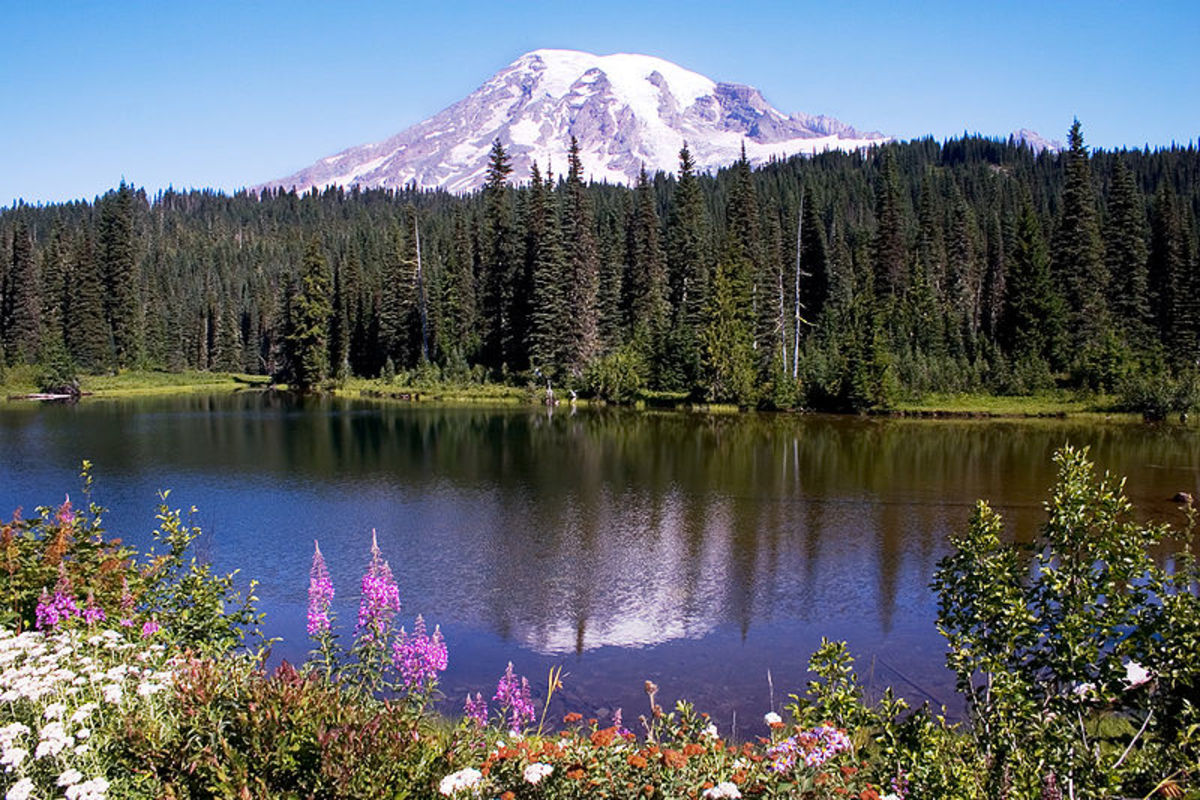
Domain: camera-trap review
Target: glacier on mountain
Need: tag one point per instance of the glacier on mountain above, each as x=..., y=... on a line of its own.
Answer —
x=626, y=111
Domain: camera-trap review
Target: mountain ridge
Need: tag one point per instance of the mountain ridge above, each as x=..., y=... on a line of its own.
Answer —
x=628, y=111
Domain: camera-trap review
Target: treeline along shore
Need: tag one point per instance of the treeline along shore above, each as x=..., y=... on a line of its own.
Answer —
x=842, y=281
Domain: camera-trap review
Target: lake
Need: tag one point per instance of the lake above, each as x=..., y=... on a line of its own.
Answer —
x=703, y=552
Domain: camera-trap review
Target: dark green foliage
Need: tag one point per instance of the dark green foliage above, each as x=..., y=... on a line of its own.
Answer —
x=1043, y=637
x=20, y=307
x=728, y=372
x=947, y=239
x=1078, y=251
x=583, y=269
x=116, y=258
x=311, y=312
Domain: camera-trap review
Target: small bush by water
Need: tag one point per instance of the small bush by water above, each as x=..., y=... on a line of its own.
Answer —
x=126, y=675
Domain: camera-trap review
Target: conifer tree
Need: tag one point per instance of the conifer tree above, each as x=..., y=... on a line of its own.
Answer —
x=117, y=261
x=1031, y=324
x=550, y=326
x=727, y=335
x=311, y=312
x=497, y=261
x=890, y=249
x=648, y=304
x=1078, y=255
x=1174, y=301
x=21, y=308
x=1127, y=256
x=89, y=338
x=583, y=268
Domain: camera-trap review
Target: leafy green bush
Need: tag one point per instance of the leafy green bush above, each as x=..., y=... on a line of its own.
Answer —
x=617, y=377
x=1076, y=653
x=1157, y=395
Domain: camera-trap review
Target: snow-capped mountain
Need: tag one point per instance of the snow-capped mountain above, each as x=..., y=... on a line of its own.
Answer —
x=625, y=110
x=1038, y=142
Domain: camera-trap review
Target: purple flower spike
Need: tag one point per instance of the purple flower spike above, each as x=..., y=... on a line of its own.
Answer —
x=320, y=595
x=514, y=695
x=66, y=514
x=476, y=709
x=380, y=597
x=92, y=613
x=419, y=657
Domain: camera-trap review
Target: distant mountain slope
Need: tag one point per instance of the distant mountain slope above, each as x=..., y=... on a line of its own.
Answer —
x=626, y=111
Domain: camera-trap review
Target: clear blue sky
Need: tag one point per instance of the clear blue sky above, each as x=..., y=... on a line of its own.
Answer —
x=223, y=94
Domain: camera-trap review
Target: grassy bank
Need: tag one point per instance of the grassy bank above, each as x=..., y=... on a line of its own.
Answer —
x=1050, y=404
x=23, y=380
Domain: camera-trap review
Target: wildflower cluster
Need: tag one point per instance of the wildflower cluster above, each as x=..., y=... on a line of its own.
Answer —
x=320, y=596
x=418, y=656
x=66, y=692
x=812, y=748
x=380, y=598
x=512, y=693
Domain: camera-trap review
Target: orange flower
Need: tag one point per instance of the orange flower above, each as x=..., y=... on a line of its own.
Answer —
x=848, y=770
x=576, y=772
x=693, y=749
x=603, y=738
x=869, y=794
x=638, y=761
x=674, y=758
x=508, y=796
x=574, y=716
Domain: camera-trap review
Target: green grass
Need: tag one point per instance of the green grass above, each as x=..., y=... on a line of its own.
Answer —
x=1039, y=405
x=442, y=392
x=23, y=380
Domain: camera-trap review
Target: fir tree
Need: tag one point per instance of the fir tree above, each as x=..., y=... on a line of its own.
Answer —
x=727, y=336
x=497, y=261
x=1031, y=323
x=550, y=326
x=583, y=268
x=88, y=335
x=21, y=308
x=1174, y=300
x=1127, y=256
x=647, y=302
x=890, y=250
x=1078, y=254
x=311, y=311
x=116, y=257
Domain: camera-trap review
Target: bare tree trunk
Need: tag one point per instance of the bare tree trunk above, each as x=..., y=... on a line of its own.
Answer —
x=798, y=321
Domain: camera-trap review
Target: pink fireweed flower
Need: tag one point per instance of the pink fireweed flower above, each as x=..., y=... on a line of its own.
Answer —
x=320, y=595
x=51, y=611
x=65, y=514
x=92, y=613
x=476, y=709
x=419, y=657
x=380, y=597
x=126, y=605
x=514, y=695
x=149, y=628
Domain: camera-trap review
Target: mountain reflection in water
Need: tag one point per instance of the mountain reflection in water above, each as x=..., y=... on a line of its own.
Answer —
x=699, y=551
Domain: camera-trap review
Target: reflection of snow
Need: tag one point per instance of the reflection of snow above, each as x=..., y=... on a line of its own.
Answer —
x=645, y=588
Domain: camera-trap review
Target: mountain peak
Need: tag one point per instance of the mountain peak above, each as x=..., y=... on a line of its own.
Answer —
x=626, y=110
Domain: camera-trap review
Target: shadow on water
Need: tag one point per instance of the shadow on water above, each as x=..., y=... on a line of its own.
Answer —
x=698, y=551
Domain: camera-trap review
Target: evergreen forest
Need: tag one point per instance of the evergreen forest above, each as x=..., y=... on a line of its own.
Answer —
x=838, y=281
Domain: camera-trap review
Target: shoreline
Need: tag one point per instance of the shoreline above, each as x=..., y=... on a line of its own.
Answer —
x=1062, y=405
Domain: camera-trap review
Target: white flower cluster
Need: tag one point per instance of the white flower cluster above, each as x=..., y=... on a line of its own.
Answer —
x=462, y=781
x=725, y=789
x=535, y=772
x=55, y=685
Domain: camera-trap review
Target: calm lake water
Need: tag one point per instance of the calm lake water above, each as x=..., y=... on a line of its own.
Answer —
x=701, y=552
